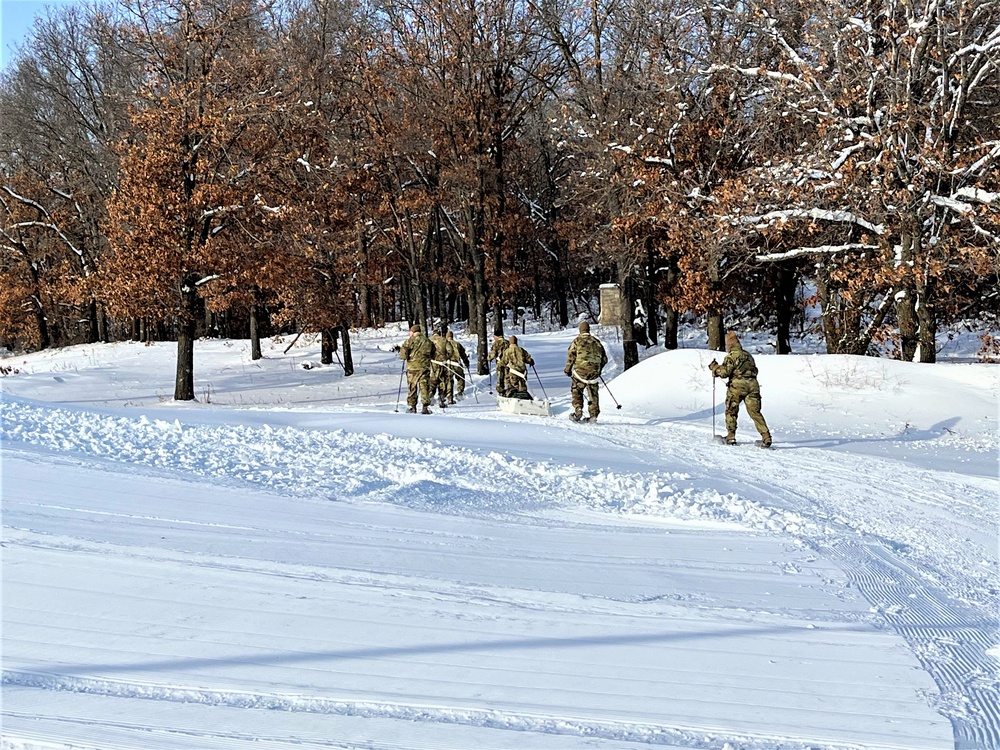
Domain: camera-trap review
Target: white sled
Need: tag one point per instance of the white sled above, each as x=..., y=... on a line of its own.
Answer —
x=524, y=406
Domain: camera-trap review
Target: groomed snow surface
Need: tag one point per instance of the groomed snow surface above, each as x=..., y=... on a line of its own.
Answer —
x=291, y=562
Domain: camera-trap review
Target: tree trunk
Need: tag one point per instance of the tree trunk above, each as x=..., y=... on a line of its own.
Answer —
x=630, y=349
x=928, y=325
x=479, y=307
x=906, y=311
x=561, y=294
x=185, y=323
x=670, y=316
x=328, y=339
x=255, y=352
x=787, y=284
x=44, y=339
x=669, y=328
x=345, y=336
x=716, y=331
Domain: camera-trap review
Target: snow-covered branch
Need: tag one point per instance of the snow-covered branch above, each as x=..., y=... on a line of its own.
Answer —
x=773, y=75
x=844, y=155
x=217, y=211
x=816, y=214
x=818, y=250
x=957, y=206
x=977, y=194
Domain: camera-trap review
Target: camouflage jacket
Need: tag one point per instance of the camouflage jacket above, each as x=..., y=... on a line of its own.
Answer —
x=738, y=365
x=416, y=351
x=460, y=353
x=516, y=359
x=454, y=358
x=499, y=347
x=586, y=357
x=440, y=348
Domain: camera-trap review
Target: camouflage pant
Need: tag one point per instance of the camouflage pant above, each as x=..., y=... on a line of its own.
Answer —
x=576, y=391
x=441, y=383
x=746, y=392
x=418, y=380
x=514, y=383
x=502, y=378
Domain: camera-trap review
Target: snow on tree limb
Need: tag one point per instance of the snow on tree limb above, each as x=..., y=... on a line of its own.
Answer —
x=979, y=164
x=957, y=201
x=977, y=194
x=818, y=250
x=817, y=214
x=774, y=75
x=951, y=203
x=844, y=155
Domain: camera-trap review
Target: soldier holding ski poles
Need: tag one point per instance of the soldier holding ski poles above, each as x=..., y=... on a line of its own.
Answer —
x=584, y=361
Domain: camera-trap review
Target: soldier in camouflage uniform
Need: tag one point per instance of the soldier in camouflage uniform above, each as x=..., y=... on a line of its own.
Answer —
x=515, y=362
x=741, y=370
x=459, y=358
x=416, y=351
x=440, y=370
x=584, y=362
x=496, y=353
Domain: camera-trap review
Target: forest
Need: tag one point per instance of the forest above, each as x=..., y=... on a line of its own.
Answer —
x=183, y=168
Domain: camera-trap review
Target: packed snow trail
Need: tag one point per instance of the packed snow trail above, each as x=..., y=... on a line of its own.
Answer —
x=834, y=513
x=366, y=611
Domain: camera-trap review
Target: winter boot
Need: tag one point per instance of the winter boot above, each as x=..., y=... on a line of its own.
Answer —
x=576, y=416
x=412, y=410
x=425, y=410
x=730, y=440
x=765, y=441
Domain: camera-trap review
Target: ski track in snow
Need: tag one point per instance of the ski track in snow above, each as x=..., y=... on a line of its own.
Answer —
x=932, y=585
x=939, y=593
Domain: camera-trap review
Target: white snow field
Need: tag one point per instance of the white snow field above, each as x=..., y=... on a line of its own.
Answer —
x=291, y=562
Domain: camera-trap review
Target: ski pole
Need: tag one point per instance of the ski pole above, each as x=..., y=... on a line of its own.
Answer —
x=399, y=390
x=609, y=392
x=713, y=406
x=475, y=393
x=539, y=383
x=489, y=373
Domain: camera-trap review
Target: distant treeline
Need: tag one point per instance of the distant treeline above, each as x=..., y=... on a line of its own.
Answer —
x=181, y=167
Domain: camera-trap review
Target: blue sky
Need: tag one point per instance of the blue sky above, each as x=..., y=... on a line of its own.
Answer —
x=16, y=17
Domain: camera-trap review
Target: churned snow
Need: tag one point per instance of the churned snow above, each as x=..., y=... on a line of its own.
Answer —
x=293, y=561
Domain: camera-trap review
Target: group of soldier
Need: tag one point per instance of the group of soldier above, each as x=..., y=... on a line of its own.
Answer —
x=584, y=361
x=434, y=367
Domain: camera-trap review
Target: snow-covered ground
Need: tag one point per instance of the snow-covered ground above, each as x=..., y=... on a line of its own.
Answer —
x=293, y=563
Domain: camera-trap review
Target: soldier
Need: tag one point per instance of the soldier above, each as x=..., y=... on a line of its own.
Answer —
x=515, y=362
x=584, y=362
x=496, y=352
x=742, y=387
x=440, y=370
x=416, y=351
x=459, y=357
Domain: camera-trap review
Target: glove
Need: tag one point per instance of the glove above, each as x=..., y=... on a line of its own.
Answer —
x=569, y=371
x=396, y=348
x=713, y=366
